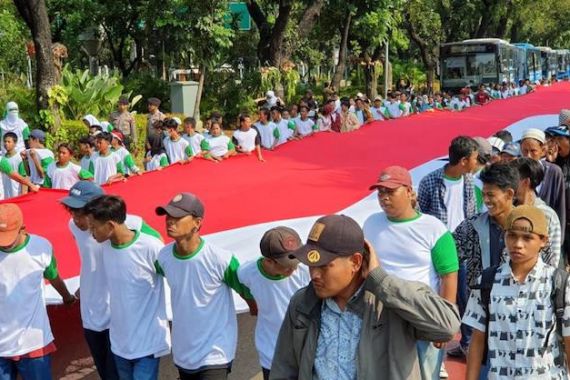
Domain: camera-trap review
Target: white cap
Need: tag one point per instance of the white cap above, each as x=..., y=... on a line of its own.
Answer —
x=534, y=133
x=496, y=143
x=177, y=120
x=269, y=94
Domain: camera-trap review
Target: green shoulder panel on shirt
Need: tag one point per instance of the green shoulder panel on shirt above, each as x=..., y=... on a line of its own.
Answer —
x=163, y=161
x=84, y=174
x=231, y=279
x=158, y=268
x=444, y=255
x=188, y=150
x=315, y=127
x=45, y=162
x=204, y=145
x=26, y=133
x=22, y=169
x=276, y=133
x=478, y=199
x=47, y=182
x=231, y=145
x=129, y=162
x=5, y=166
x=146, y=229
x=51, y=271
x=91, y=167
x=120, y=168
x=291, y=125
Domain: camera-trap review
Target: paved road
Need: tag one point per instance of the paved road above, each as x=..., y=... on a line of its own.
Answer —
x=72, y=360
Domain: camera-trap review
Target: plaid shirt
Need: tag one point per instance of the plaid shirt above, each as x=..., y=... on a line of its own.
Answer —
x=431, y=195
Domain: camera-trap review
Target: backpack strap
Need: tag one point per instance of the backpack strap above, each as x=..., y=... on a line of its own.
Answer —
x=486, y=285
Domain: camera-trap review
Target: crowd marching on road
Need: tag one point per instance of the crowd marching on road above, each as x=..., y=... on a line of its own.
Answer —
x=480, y=248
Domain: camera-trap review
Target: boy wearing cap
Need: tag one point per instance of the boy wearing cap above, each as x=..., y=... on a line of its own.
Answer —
x=531, y=173
x=177, y=148
x=138, y=327
x=272, y=280
x=379, y=112
x=551, y=189
x=354, y=320
x=511, y=151
x=26, y=340
x=124, y=122
x=200, y=276
x=105, y=166
x=414, y=247
x=95, y=304
x=520, y=326
x=126, y=158
x=38, y=157
x=12, y=169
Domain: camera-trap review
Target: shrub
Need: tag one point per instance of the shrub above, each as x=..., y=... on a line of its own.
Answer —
x=70, y=132
x=148, y=86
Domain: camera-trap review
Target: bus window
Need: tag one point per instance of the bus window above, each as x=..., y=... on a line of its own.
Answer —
x=454, y=67
x=483, y=65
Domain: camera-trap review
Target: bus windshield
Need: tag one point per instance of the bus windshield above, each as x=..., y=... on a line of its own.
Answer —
x=472, y=65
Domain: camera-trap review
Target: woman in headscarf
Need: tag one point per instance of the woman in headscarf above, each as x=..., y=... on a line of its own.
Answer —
x=13, y=123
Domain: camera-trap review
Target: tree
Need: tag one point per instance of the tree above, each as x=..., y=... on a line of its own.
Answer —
x=34, y=13
x=13, y=36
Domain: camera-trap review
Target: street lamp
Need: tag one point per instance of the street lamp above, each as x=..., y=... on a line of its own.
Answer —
x=91, y=43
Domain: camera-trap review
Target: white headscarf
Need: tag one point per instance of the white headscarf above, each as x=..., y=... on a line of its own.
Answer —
x=12, y=112
x=92, y=120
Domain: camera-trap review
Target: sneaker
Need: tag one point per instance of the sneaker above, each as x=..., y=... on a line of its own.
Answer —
x=443, y=372
x=457, y=352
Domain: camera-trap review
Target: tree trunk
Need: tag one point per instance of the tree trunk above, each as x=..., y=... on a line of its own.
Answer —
x=342, y=53
x=199, y=94
x=429, y=55
x=34, y=13
x=430, y=77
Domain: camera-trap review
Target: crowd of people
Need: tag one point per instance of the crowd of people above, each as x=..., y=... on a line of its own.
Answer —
x=106, y=154
x=483, y=241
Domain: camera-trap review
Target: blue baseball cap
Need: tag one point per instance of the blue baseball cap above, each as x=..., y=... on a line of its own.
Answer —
x=38, y=134
x=81, y=193
x=512, y=149
x=561, y=130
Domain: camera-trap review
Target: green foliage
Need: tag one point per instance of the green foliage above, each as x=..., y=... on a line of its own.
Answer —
x=13, y=37
x=81, y=94
x=408, y=70
x=70, y=132
x=20, y=94
x=148, y=86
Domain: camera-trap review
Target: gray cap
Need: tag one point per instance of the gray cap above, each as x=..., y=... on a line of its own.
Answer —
x=485, y=149
x=278, y=243
x=512, y=149
x=38, y=134
x=82, y=193
x=183, y=204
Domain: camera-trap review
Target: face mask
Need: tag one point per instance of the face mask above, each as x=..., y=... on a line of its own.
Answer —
x=12, y=116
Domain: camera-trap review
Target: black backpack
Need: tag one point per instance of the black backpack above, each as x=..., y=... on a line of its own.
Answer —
x=558, y=299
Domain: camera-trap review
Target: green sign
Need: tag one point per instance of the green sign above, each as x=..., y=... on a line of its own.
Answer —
x=238, y=12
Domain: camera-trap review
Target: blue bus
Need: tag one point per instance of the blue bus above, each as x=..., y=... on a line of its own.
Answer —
x=563, y=63
x=533, y=66
x=549, y=62
x=476, y=61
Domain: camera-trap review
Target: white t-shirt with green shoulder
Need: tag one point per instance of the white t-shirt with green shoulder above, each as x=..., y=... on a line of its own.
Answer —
x=305, y=127
x=45, y=157
x=138, y=325
x=419, y=249
x=454, y=201
x=104, y=167
x=24, y=323
x=64, y=177
x=220, y=145
x=204, y=324
x=8, y=165
x=272, y=295
x=177, y=150
x=286, y=130
x=247, y=140
x=95, y=299
x=268, y=133
x=127, y=159
x=198, y=142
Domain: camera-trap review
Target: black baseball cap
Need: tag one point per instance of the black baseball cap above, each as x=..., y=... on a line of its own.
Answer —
x=278, y=243
x=182, y=205
x=332, y=236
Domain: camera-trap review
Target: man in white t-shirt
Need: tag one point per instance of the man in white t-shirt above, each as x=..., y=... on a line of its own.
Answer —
x=95, y=303
x=26, y=340
x=38, y=157
x=200, y=276
x=246, y=139
x=305, y=126
x=268, y=131
x=285, y=127
x=272, y=280
x=105, y=165
x=177, y=148
x=413, y=246
x=138, y=327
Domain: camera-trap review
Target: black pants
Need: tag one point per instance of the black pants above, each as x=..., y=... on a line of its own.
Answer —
x=100, y=347
x=207, y=374
x=265, y=373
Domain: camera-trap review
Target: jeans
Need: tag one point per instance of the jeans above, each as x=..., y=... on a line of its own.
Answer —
x=462, y=298
x=28, y=369
x=137, y=369
x=207, y=374
x=430, y=359
x=100, y=348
